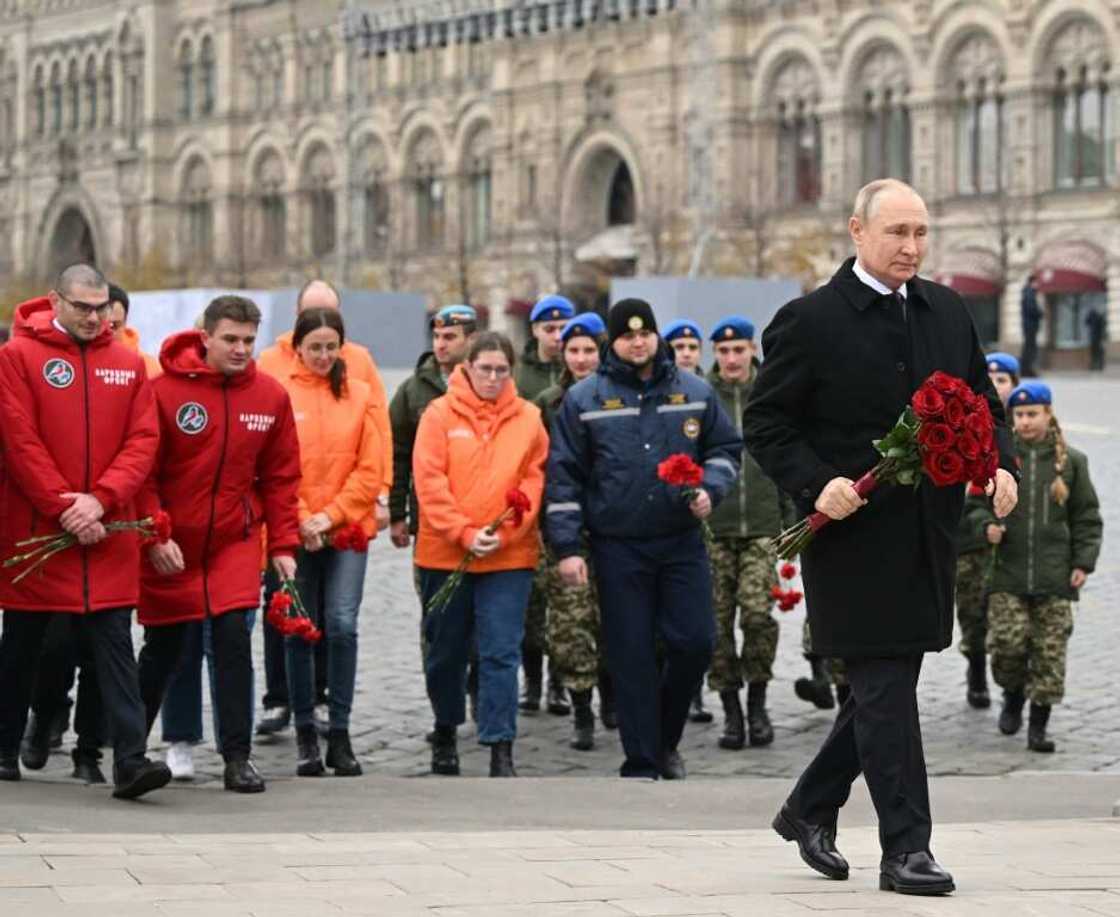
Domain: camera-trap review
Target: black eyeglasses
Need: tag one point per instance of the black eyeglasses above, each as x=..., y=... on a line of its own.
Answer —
x=87, y=308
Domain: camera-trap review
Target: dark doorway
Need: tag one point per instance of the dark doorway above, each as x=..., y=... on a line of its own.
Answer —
x=620, y=200
x=71, y=241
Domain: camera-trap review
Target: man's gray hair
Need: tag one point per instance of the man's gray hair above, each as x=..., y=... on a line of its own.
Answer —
x=79, y=275
x=317, y=283
x=867, y=197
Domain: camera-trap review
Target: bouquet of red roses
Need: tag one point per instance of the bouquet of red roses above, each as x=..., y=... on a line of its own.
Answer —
x=787, y=599
x=945, y=434
x=152, y=529
x=288, y=615
x=517, y=505
x=679, y=470
x=350, y=538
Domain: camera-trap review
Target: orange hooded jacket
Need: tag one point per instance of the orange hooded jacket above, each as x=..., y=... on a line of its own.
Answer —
x=340, y=449
x=468, y=454
x=281, y=359
x=130, y=337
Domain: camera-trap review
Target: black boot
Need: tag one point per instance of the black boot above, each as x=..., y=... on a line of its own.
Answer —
x=758, y=720
x=87, y=767
x=816, y=690
x=36, y=746
x=1011, y=716
x=978, y=695
x=309, y=764
x=501, y=760
x=557, y=695
x=607, y=715
x=340, y=756
x=734, y=732
x=583, y=725
x=696, y=712
x=243, y=777
x=133, y=782
x=843, y=692
x=445, y=751
x=1036, y=729
x=532, y=662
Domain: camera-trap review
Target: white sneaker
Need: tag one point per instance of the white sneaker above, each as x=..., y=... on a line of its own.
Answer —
x=180, y=759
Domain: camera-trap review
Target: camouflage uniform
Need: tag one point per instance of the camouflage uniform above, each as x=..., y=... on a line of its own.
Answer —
x=743, y=573
x=972, y=574
x=836, y=671
x=574, y=641
x=1027, y=640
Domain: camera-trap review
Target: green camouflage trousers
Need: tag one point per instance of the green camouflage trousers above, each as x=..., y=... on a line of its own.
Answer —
x=835, y=667
x=1027, y=640
x=972, y=611
x=743, y=573
x=573, y=630
x=536, y=612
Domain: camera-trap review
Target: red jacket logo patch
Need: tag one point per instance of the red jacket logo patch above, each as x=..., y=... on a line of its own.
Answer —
x=191, y=418
x=58, y=373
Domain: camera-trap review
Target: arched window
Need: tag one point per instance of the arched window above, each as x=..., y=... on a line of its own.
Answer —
x=40, y=103
x=73, y=97
x=186, y=81
x=428, y=191
x=56, y=99
x=796, y=93
x=478, y=187
x=883, y=86
x=318, y=183
x=977, y=70
x=273, y=210
x=198, y=218
x=1083, y=127
x=107, y=90
x=376, y=207
x=92, y=93
x=206, y=77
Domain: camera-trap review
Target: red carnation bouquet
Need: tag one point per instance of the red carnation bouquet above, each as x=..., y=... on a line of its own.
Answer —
x=517, y=505
x=787, y=599
x=288, y=615
x=350, y=538
x=154, y=529
x=679, y=470
x=945, y=434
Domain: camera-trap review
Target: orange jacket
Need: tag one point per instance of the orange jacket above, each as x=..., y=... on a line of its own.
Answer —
x=340, y=449
x=468, y=454
x=281, y=358
x=131, y=339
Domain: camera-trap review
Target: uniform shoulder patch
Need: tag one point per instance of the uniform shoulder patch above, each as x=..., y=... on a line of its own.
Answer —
x=678, y=398
x=613, y=404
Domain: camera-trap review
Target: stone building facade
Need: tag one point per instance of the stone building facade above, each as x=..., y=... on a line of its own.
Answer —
x=493, y=150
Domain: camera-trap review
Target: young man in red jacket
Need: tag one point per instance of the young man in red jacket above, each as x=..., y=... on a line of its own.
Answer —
x=79, y=438
x=228, y=462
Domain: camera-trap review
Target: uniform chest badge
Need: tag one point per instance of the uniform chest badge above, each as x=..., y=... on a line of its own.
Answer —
x=58, y=373
x=678, y=398
x=191, y=418
x=613, y=404
x=691, y=428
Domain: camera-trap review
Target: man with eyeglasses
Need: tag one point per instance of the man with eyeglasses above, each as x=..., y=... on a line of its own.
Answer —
x=79, y=437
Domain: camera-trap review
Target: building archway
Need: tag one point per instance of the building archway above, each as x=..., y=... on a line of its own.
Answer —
x=620, y=197
x=71, y=241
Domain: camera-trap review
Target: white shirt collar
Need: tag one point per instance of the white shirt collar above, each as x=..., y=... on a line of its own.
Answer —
x=58, y=325
x=878, y=286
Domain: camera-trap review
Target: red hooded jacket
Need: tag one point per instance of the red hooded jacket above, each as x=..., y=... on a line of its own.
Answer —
x=228, y=462
x=76, y=419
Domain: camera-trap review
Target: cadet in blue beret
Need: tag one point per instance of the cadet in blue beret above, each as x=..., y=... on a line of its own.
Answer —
x=586, y=324
x=733, y=328
x=453, y=316
x=685, y=337
x=1003, y=370
x=1031, y=392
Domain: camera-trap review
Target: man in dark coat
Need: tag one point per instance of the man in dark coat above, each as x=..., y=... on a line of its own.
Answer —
x=1031, y=313
x=840, y=366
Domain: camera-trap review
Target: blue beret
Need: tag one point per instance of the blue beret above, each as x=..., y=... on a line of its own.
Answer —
x=449, y=316
x=552, y=309
x=1030, y=392
x=683, y=328
x=586, y=324
x=734, y=328
x=1000, y=362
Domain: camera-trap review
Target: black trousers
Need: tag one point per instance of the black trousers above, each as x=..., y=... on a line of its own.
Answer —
x=163, y=654
x=877, y=733
x=61, y=655
x=104, y=640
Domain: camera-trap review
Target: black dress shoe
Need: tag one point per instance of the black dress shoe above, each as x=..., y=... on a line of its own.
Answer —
x=672, y=766
x=914, y=874
x=9, y=768
x=134, y=782
x=275, y=720
x=88, y=771
x=243, y=777
x=696, y=711
x=36, y=745
x=816, y=843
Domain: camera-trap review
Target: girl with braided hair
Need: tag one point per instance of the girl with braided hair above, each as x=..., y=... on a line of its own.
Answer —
x=1046, y=550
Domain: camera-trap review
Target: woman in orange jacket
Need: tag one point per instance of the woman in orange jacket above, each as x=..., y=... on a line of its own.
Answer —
x=342, y=474
x=473, y=446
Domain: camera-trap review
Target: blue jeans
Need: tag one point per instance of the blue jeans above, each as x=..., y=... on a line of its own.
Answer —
x=330, y=583
x=493, y=604
x=181, y=714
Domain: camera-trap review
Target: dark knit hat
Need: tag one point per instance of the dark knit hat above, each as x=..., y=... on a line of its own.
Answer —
x=630, y=315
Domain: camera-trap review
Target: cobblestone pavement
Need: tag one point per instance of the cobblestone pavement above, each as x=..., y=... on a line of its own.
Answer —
x=392, y=715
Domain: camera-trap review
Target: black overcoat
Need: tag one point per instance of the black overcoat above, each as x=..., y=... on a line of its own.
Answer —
x=840, y=365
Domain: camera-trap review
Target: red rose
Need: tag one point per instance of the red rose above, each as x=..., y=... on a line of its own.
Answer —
x=943, y=382
x=927, y=403
x=680, y=470
x=161, y=522
x=944, y=468
x=350, y=538
x=954, y=413
x=518, y=504
x=776, y=593
x=979, y=424
x=788, y=571
x=968, y=447
x=936, y=437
